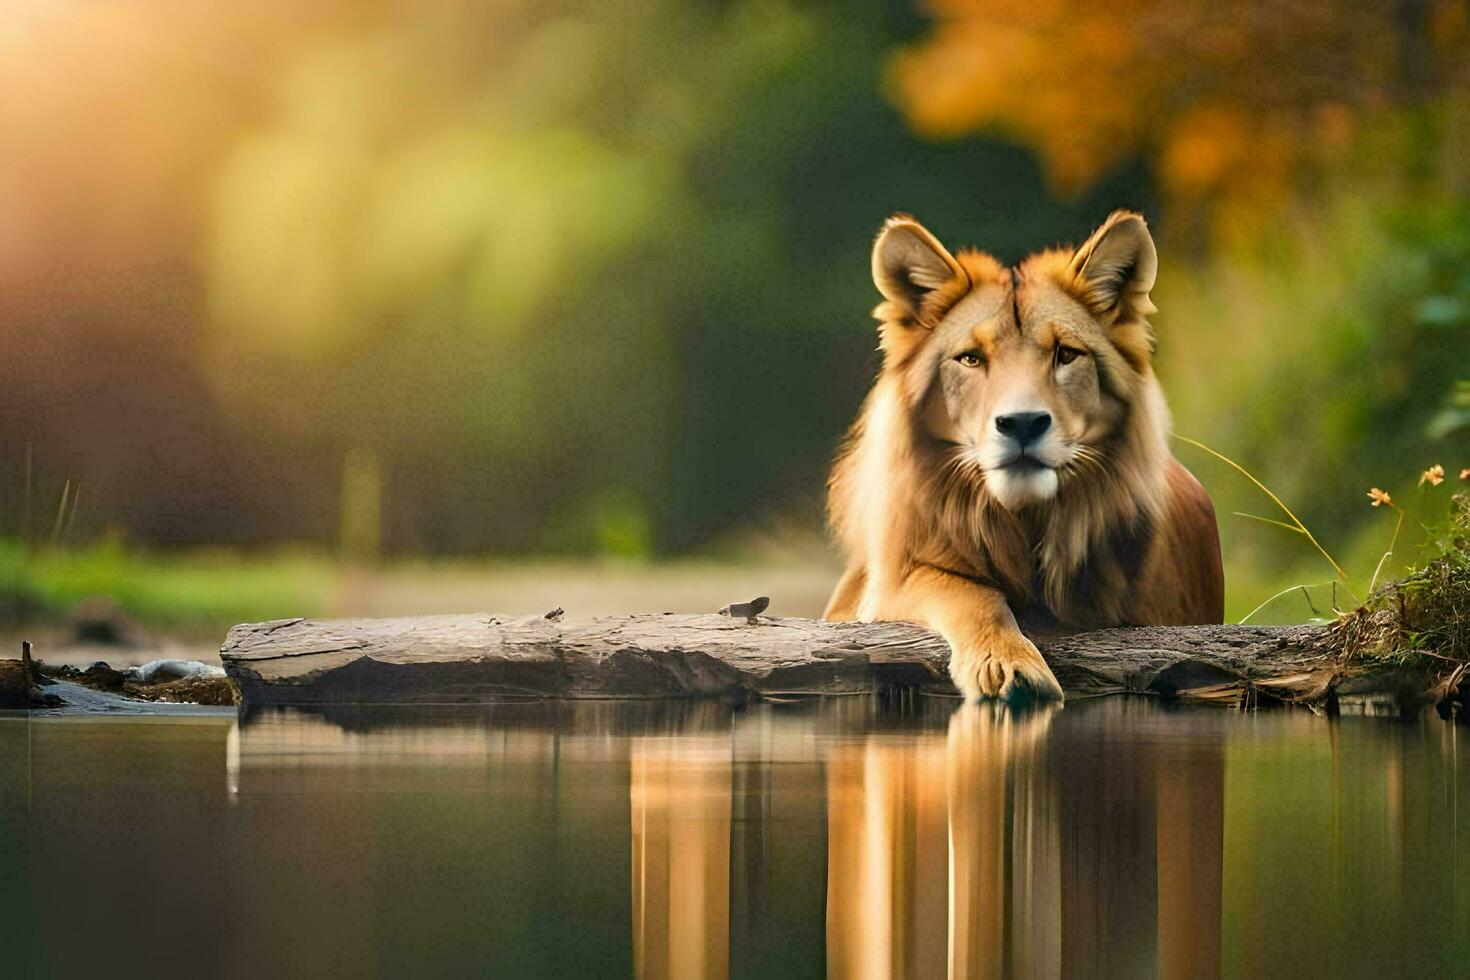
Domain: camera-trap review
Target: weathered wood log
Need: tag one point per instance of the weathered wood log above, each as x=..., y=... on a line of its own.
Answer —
x=482, y=658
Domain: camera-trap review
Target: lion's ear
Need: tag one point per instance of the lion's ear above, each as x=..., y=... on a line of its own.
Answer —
x=1114, y=270
x=909, y=263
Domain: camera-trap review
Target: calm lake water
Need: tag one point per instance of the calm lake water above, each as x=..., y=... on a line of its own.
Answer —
x=1115, y=837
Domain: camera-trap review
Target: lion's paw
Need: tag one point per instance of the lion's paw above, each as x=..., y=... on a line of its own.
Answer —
x=1011, y=675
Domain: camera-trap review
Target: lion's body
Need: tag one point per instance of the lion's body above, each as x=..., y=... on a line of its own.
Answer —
x=1127, y=536
x=1097, y=559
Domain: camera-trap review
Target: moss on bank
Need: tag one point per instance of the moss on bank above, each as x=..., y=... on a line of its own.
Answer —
x=1421, y=622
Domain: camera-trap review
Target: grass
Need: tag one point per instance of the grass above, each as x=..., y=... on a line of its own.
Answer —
x=1447, y=541
x=197, y=594
x=1296, y=525
x=1422, y=620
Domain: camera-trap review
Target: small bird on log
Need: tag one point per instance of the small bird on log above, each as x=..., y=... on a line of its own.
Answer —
x=750, y=610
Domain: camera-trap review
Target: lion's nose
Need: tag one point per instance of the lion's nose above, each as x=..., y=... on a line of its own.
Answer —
x=1024, y=427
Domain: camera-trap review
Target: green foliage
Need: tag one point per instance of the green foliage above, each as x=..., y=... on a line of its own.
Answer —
x=1454, y=418
x=1423, y=618
x=1437, y=594
x=1321, y=361
x=203, y=592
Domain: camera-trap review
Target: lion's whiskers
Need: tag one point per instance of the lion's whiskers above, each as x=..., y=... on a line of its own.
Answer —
x=1085, y=460
x=961, y=473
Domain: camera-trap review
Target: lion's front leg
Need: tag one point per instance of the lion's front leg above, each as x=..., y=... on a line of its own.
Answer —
x=989, y=656
x=848, y=595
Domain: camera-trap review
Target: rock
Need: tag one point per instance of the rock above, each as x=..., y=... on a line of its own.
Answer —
x=162, y=671
x=15, y=686
x=101, y=677
x=214, y=689
x=178, y=681
x=17, y=690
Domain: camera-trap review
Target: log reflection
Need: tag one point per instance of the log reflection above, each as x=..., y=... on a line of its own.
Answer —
x=778, y=839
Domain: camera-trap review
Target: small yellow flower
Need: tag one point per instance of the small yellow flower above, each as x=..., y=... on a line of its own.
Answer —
x=1434, y=476
x=1465, y=474
x=1379, y=497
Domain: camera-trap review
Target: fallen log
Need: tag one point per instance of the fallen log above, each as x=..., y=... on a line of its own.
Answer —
x=482, y=658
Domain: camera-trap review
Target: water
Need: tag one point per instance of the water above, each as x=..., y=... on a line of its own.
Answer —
x=1115, y=837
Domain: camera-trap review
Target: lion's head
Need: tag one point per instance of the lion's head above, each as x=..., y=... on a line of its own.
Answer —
x=1029, y=373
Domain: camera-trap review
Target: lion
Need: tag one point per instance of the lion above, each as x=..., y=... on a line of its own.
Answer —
x=1010, y=465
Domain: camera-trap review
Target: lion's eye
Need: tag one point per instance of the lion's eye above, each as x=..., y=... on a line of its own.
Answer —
x=971, y=358
x=1066, y=355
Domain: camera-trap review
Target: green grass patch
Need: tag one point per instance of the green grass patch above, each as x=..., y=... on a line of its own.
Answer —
x=203, y=591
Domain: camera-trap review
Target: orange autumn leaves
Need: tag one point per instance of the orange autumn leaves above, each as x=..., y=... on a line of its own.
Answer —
x=1220, y=98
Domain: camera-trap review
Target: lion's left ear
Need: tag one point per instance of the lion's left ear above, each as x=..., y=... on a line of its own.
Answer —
x=1114, y=270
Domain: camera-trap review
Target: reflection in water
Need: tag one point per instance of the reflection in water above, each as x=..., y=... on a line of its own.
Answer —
x=985, y=853
x=886, y=857
x=986, y=745
x=680, y=790
x=974, y=852
x=1113, y=837
x=1190, y=836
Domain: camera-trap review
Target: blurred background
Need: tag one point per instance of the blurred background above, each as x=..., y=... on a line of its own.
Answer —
x=388, y=307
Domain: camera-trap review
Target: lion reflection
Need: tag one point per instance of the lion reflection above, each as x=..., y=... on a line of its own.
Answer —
x=917, y=848
x=1008, y=845
x=999, y=851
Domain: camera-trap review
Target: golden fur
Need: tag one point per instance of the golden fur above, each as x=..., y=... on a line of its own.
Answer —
x=1105, y=528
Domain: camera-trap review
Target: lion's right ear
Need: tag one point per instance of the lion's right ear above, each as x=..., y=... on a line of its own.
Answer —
x=909, y=263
